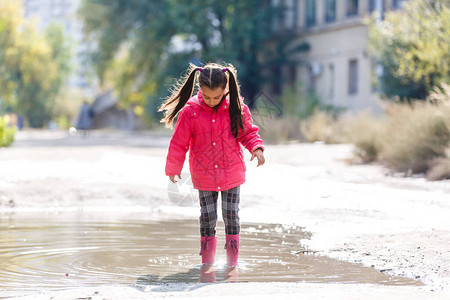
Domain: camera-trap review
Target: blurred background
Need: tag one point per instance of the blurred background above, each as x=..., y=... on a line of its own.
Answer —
x=374, y=73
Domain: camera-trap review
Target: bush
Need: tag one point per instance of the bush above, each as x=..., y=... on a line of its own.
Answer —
x=415, y=135
x=305, y=117
x=439, y=169
x=410, y=138
x=322, y=126
x=298, y=103
x=364, y=132
x=281, y=130
x=6, y=132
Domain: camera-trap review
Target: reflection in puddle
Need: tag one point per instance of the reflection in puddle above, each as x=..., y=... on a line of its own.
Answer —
x=55, y=253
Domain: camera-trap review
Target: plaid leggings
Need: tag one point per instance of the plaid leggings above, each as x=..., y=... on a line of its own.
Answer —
x=230, y=209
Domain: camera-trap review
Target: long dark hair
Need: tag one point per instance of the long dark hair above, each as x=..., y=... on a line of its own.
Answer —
x=212, y=76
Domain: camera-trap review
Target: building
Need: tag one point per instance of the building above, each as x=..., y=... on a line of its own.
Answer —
x=336, y=66
x=64, y=12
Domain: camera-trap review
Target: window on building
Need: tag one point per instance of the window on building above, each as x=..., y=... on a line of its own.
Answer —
x=313, y=73
x=353, y=77
x=275, y=6
x=331, y=81
x=371, y=6
x=290, y=14
x=330, y=11
x=397, y=4
x=376, y=5
x=376, y=74
x=352, y=8
x=310, y=13
x=292, y=75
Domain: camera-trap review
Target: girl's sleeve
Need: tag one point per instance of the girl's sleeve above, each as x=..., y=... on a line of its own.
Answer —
x=179, y=145
x=250, y=138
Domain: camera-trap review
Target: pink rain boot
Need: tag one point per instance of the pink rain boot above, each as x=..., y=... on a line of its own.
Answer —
x=207, y=273
x=232, y=246
x=208, y=249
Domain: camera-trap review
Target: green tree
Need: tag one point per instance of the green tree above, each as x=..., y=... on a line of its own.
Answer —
x=10, y=20
x=413, y=45
x=136, y=40
x=35, y=64
x=60, y=55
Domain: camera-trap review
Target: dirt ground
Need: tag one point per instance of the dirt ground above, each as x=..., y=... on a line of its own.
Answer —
x=356, y=213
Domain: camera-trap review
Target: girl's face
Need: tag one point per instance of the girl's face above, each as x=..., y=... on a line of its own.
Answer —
x=212, y=97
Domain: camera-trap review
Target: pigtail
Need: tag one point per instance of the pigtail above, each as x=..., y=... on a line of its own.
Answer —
x=179, y=97
x=236, y=118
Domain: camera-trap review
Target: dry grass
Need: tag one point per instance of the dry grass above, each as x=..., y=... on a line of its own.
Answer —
x=439, y=169
x=322, y=126
x=364, y=131
x=410, y=138
x=280, y=130
x=319, y=127
x=414, y=135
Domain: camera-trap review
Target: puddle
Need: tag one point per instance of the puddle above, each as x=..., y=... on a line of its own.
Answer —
x=37, y=255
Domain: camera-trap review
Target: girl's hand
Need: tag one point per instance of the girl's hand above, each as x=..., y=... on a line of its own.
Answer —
x=172, y=178
x=258, y=153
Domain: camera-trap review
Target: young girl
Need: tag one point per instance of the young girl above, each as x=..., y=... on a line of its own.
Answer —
x=212, y=124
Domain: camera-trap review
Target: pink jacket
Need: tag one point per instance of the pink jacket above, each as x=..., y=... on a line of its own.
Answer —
x=216, y=158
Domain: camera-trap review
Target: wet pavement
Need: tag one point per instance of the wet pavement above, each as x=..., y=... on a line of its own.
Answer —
x=78, y=250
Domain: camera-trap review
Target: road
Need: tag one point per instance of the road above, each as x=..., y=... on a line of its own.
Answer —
x=356, y=213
